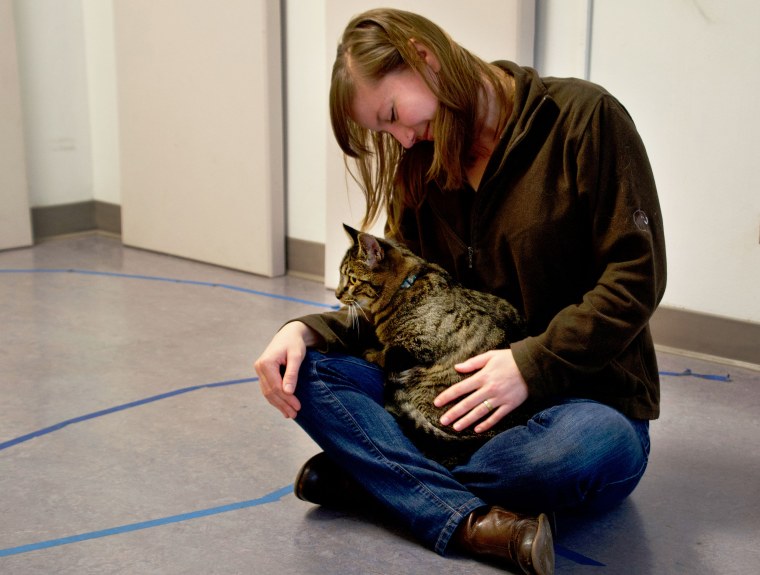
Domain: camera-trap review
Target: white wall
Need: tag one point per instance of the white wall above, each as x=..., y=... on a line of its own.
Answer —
x=68, y=71
x=100, y=60
x=306, y=76
x=52, y=65
x=689, y=73
x=562, y=37
x=15, y=222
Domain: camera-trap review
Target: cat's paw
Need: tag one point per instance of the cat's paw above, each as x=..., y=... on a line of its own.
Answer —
x=375, y=356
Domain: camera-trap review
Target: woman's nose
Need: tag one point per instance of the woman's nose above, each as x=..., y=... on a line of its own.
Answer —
x=405, y=136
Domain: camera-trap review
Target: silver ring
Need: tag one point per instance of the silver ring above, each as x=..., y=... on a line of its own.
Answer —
x=488, y=405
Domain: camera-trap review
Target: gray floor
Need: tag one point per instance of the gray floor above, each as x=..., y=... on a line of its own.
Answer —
x=133, y=438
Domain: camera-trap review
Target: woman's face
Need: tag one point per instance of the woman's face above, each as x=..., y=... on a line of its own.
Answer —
x=401, y=103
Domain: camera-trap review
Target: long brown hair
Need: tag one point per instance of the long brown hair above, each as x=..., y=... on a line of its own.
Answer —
x=381, y=41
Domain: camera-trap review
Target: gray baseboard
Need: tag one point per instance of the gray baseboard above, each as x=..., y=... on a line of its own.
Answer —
x=92, y=215
x=306, y=259
x=709, y=335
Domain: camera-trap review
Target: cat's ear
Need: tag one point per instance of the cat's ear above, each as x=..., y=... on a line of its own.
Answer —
x=352, y=233
x=372, y=249
x=368, y=245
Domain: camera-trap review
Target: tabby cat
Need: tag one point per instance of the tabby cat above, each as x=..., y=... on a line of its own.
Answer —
x=425, y=323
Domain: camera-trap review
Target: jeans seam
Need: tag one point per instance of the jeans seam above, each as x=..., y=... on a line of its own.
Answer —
x=454, y=520
x=635, y=476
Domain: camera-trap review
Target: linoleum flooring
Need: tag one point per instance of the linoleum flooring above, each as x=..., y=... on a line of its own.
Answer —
x=134, y=440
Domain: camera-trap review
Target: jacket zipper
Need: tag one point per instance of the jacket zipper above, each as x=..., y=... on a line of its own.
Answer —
x=473, y=215
x=450, y=232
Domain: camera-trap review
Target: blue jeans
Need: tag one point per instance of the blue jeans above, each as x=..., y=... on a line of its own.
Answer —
x=573, y=455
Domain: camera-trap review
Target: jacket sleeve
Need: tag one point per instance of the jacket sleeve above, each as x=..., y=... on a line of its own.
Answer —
x=616, y=188
x=340, y=332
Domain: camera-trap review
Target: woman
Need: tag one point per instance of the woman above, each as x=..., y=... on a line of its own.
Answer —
x=537, y=190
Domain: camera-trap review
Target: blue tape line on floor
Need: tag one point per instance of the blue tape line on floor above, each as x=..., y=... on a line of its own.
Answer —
x=169, y=280
x=269, y=498
x=689, y=373
x=122, y=407
x=576, y=557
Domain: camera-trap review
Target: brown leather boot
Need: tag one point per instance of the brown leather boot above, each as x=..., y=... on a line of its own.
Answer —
x=519, y=541
x=322, y=482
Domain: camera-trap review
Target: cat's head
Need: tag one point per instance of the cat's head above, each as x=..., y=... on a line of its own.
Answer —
x=372, y=269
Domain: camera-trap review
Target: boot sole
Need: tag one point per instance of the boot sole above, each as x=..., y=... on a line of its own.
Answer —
x=542, y=551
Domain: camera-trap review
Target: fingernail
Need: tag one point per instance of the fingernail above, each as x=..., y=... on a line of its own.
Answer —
x=444, y=420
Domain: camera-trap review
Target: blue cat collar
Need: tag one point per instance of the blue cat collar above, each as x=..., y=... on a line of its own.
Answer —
x=410, y=279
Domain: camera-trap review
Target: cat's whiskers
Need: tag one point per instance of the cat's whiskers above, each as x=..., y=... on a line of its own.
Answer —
x=354, y=307
x=361, y=309
x=352, y=315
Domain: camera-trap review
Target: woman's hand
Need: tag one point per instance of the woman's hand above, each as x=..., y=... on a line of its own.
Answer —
x=498, y=384
x=287, y=349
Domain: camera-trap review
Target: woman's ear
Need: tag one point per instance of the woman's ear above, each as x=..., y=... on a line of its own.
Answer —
x=427, y=55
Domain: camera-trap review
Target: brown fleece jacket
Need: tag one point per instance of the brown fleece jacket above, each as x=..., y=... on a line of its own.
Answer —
x=566, y=225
